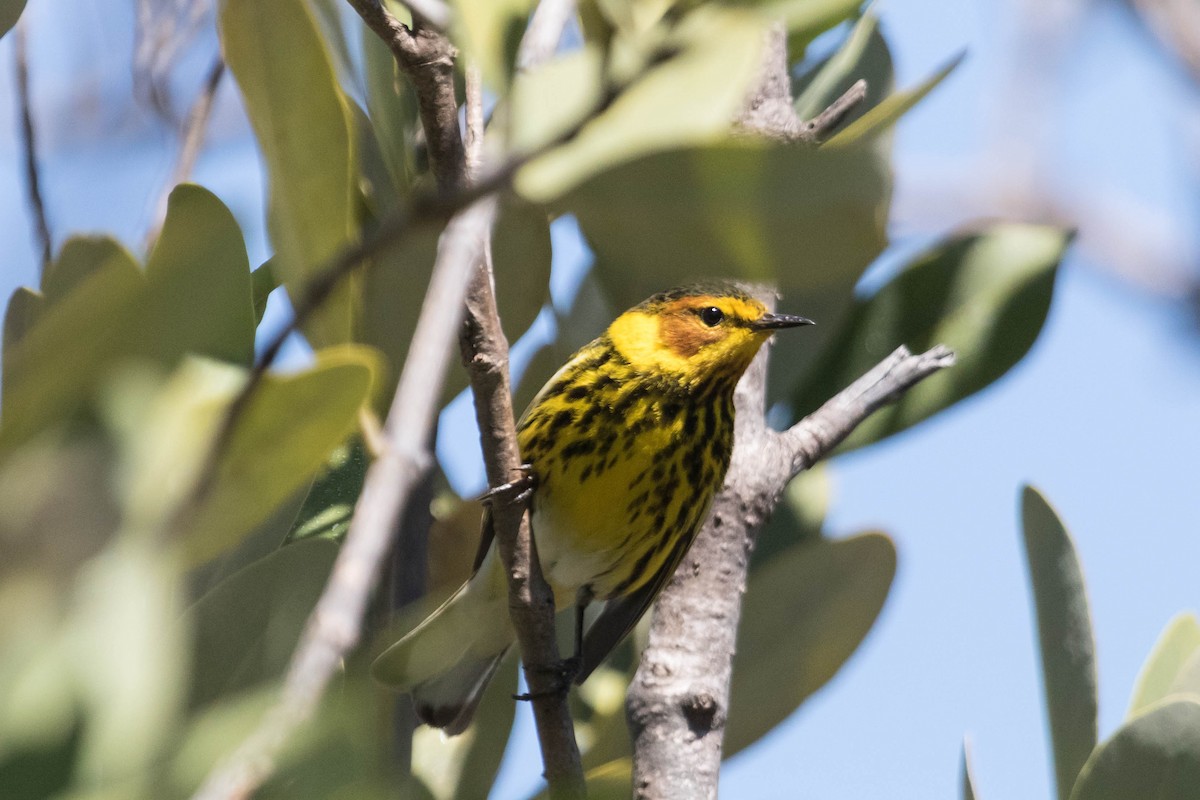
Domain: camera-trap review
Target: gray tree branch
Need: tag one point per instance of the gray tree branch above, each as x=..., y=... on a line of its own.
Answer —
x=485, y=354
x=334, y=627
x=677, y=705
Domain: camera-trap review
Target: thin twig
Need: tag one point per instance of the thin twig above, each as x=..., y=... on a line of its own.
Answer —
x=334, y=627
x=818, y=433
x=192, y=139
x=545, y=31
x=29, y=144
x=335, y=624
x=819, y=128
x=427, y=57
x=530, y=599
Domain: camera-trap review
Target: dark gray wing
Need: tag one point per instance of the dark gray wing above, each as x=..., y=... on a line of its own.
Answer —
x=621, y=614
x=487, y=532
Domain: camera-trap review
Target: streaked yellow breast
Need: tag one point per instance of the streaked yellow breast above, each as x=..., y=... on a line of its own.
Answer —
x=627, y=465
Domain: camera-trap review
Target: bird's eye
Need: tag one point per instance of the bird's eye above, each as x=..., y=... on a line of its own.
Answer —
x=711, y=316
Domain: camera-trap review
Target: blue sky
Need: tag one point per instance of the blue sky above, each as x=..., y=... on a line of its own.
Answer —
x=1104, y=415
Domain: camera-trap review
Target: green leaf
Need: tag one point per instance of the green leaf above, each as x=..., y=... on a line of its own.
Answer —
x=200, y=297
x=287, y=430
x=10, y=12
x=864, y=55
x=329, y=506
x=393, y=289
x=1178, y=643
x=262, y=282
x=738, y=210
x=24, y=308
x=127, y=653
x=1154, y=755
x=489, y=31
x=967, y=773
x=80, y=258
x=34, y=773
x=392, y=106
x=521, y=261
x=805, y=20
x=1065, y=635
x=826, y=594
x=884, y=115
x=687, y=99
x=279, y=58
x=55, y=366
x=984, y=294
x=246, y=628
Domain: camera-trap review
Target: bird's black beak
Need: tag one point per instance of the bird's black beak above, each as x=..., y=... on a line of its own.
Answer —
x=771, y=322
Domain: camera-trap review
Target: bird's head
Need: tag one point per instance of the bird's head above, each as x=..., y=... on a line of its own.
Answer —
x=694, y=334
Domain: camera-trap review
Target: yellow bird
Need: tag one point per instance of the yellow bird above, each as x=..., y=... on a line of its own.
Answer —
x=628, y=444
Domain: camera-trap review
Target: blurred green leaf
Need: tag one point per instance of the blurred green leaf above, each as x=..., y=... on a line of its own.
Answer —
x=262, y=282
x=521, y=260
x=884, y=115
x=1067, y=643
x=246, y=628
x=985, y=295
x=393, y=290
x=392, y=106
x=687, y=99
x=128, y=657
x=10, y=12
x=80, y=258
x=826, y=595
x=1154, y=755
x=734, y=210
x=280, y=60
x=31, y=773
x=211, y=734
x=24, y=308
x=864, y=55
x=328, y=16
x=264, y=539
x=283, y=437
x=967, y=773
x=375, y=190
x=805, y=20
x=1177, y=644
x=53, y=369
x=330, y=502
x=342, y=753
x=489, y=31
x=100, y=312
x=200, y=296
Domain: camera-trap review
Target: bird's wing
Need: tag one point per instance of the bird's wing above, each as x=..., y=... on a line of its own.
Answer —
x=487, y=532
x=621, y=614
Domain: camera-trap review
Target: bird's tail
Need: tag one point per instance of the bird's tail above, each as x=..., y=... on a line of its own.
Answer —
x=447, y=660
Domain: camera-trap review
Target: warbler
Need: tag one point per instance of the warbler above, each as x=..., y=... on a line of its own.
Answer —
x=627, y=444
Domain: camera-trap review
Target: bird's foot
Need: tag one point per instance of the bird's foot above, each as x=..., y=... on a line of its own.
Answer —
x=515, y=491
x=563, y=674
